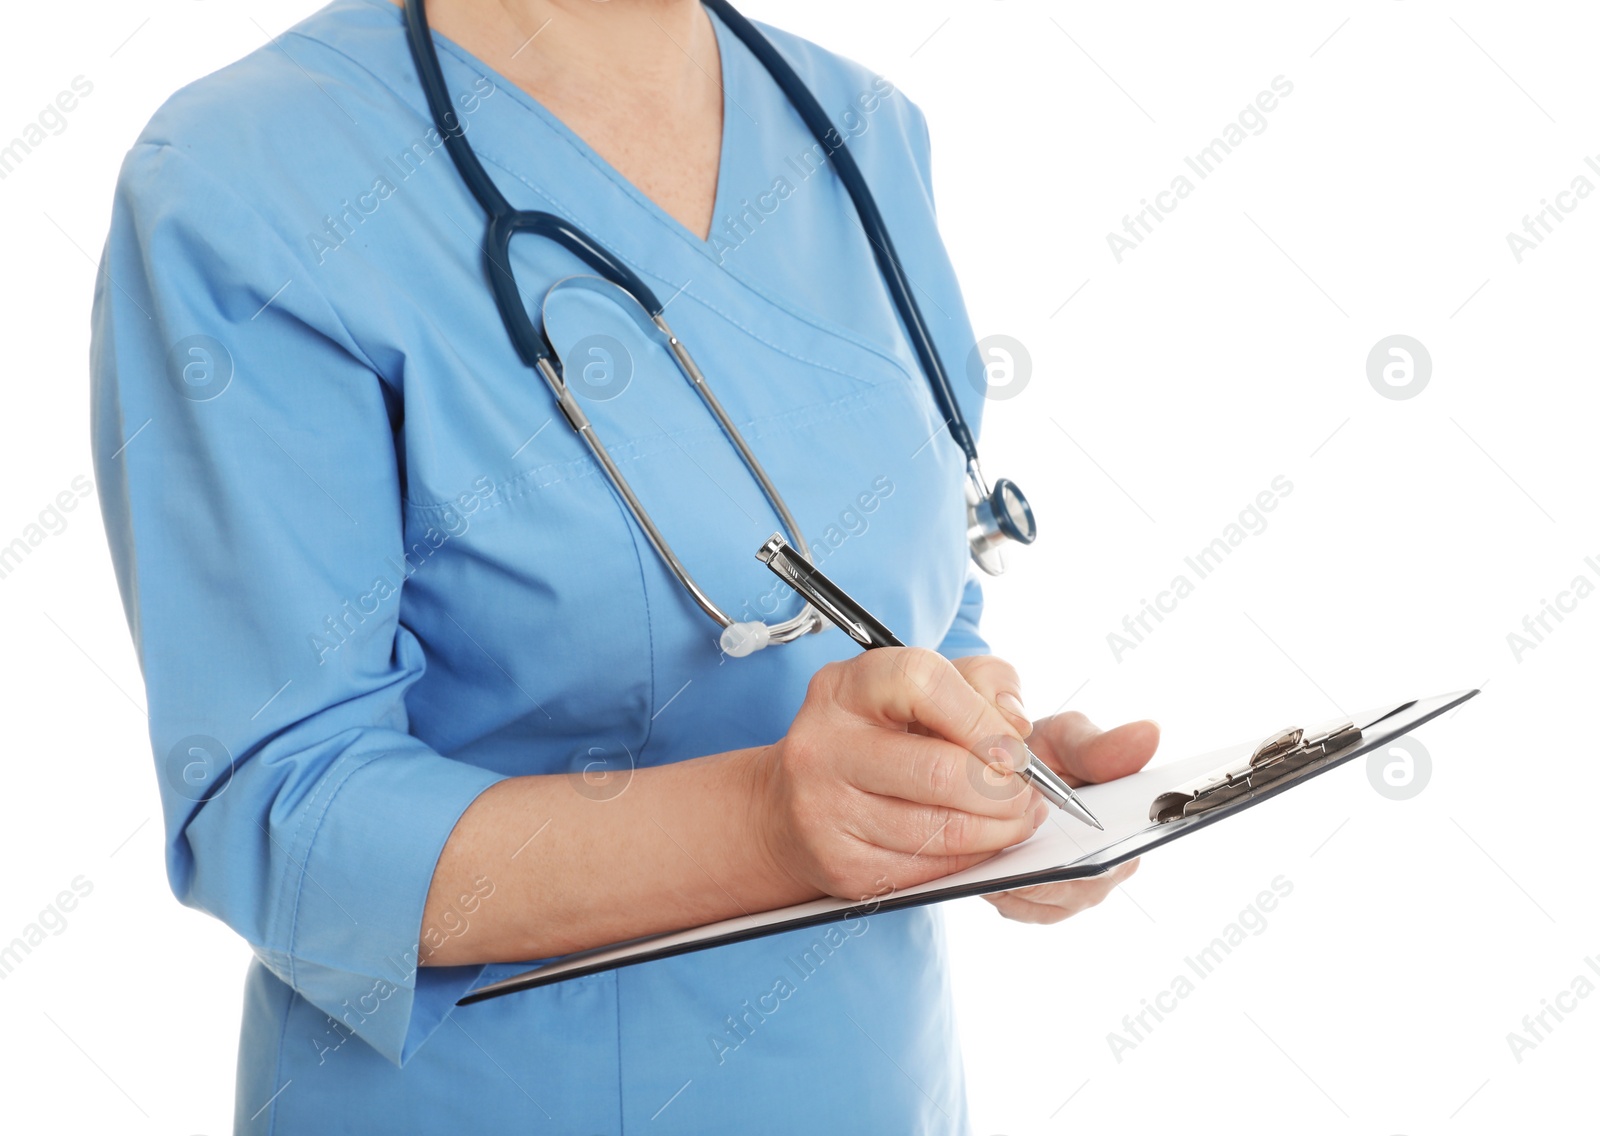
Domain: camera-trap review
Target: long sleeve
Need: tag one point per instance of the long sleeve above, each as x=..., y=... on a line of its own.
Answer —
x=245, y=450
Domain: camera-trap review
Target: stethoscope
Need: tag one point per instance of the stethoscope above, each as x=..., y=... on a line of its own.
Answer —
x=994, y=516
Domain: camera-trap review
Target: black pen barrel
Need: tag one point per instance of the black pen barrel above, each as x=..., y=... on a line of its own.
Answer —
x=824, y=595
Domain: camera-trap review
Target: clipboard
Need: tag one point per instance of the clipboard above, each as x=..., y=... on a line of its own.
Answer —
x=1141, y=812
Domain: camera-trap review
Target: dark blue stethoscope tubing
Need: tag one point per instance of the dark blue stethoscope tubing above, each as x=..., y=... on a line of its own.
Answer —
x=883, y=250
x=505, y=222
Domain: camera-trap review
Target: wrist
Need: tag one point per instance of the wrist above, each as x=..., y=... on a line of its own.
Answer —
x=763, y=828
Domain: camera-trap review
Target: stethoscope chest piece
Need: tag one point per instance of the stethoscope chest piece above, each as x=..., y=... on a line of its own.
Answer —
x=994, y=517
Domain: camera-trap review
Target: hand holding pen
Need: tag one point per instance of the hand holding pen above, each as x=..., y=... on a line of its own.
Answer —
x=854, y=802
x=855, y=621
x=970, y=686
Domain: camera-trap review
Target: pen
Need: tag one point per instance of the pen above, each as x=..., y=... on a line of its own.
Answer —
x=855, y=621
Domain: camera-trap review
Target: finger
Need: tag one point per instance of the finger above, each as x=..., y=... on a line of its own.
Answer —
x=998, y=681
x=1104, y=884
x=902, y=685
x=931, y=771
x=928, y=831
x=1026, y=911
x=1066, y=898
x=904, y=871
x=1085, y=754
x=1079, y=895
x=1101, y=885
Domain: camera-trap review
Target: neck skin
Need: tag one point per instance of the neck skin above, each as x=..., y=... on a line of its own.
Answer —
x=659, y=45
x=638, y=80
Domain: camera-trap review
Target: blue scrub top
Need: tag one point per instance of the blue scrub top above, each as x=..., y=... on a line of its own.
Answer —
x=370, y=571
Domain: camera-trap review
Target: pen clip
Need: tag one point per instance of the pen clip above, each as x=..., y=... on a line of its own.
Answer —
x=823, y=594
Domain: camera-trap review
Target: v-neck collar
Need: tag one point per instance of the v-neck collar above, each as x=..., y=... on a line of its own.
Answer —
x=732, y=131
x=646, y=248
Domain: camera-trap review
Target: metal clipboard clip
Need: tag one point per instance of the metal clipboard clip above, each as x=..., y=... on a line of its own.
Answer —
x=1283, y=756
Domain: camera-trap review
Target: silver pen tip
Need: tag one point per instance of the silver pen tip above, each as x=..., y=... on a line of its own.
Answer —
x=1050, y=783
x=1082, y=810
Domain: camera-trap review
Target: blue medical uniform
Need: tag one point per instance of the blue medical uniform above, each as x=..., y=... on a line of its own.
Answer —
x=370, y=571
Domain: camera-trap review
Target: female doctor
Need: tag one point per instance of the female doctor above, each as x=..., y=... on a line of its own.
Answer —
x=392, y=616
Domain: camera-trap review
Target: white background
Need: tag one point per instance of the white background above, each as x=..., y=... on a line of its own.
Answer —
x=1170, y=389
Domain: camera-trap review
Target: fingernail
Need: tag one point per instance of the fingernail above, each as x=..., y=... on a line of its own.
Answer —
x=1041, y=810
x=1008, y=701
